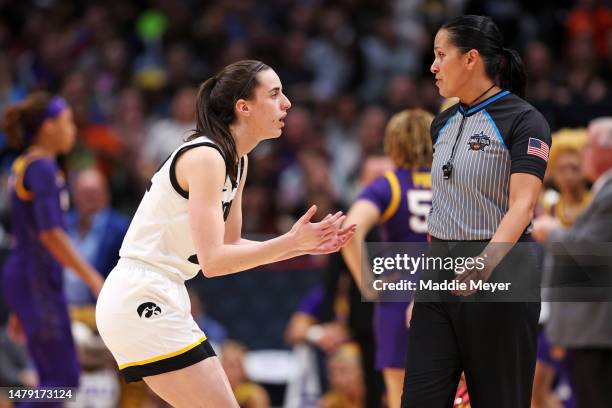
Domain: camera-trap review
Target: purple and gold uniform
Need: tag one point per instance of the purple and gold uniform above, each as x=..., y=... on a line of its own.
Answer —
x=33, y=286
x=403, y=198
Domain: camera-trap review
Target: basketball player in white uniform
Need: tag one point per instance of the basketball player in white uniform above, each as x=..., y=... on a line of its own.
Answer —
x=190, y=220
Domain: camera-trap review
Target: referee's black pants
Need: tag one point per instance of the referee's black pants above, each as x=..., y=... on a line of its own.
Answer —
x=494, y=343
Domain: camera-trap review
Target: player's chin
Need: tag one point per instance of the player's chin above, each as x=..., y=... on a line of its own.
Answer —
x=275, y=134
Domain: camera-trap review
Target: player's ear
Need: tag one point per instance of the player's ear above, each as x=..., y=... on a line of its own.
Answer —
x=242, y=108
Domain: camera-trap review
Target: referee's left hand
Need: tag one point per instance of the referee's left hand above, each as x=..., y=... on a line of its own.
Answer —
x=472, y=274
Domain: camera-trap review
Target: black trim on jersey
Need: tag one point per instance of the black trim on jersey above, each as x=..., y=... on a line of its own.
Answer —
x=228, y=206
x=173, y=180
x=158, y=169
x=240, y=168
x=200, y=352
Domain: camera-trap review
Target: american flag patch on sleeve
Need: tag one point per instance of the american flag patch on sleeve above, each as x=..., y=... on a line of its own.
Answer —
x=537, y=148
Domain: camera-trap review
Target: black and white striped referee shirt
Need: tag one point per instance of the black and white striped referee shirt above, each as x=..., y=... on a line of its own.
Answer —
x=501, y=135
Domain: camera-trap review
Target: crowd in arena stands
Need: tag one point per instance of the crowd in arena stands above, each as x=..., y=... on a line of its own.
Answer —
x=130, y=72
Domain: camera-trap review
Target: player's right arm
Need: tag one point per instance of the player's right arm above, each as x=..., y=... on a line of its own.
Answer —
x=365, y=214
x=57, y=242
x=201, y=171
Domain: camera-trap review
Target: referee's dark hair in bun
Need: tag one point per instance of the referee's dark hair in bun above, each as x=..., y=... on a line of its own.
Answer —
x=503, y=65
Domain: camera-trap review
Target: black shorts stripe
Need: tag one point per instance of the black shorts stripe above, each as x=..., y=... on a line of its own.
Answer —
x=201, y=352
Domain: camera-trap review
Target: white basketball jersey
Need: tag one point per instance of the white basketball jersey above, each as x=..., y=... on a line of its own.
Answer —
x=159, y=234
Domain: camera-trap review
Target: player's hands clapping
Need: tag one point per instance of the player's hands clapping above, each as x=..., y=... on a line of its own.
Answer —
x=322, y=237
x=337, y=241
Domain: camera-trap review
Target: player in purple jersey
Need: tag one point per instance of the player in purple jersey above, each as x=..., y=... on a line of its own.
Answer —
x=32, y=275
x=399, y=203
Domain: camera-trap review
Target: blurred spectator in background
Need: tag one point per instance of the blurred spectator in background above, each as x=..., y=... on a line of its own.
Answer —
x=99, y=385
x=360, y=314
x=591, y=19
x=551, y=385
x=296, y=75
x=96, y=231
x=168, y=133
x=564, y=171
x=132, y=174
x=342, y=143
x=119, y=62
x=248, y=394
x=214, y=330
x=385, y=55
x=10, y=92
x=359, y=322
x=328, y=53
x=345, y=379
x=306, y=330
x=305, y=327
x=585, y=328
x=15, y=366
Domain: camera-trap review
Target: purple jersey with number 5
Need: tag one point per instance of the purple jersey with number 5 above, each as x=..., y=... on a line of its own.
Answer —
x=403, y=198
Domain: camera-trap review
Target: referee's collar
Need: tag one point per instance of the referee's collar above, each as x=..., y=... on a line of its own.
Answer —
x=482, y=104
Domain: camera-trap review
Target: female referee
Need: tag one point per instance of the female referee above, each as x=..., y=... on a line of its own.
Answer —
x=33, y=283
x=190, y=218
x=399, y=203
x=490, y=155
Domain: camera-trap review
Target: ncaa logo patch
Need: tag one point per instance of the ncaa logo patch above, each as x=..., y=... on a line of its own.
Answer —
x=148, y=309
x=479, y=141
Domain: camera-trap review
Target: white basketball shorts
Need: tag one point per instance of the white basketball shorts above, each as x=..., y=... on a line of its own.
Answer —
x=144, y=317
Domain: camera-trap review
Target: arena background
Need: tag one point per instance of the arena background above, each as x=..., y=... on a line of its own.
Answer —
x=130, y=71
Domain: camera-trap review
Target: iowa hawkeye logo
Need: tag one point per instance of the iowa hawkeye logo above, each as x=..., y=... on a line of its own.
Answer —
x=479, y=141
x=148, y=309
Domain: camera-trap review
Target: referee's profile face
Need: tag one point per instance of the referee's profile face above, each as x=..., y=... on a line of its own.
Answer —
x=448, y=66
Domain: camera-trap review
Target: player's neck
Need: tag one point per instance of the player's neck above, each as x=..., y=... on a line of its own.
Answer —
x=41, y=149
x=244, y=141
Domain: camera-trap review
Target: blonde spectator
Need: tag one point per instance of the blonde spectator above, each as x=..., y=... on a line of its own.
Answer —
x=248, y=394
x=564, y=172
x=345, y=377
